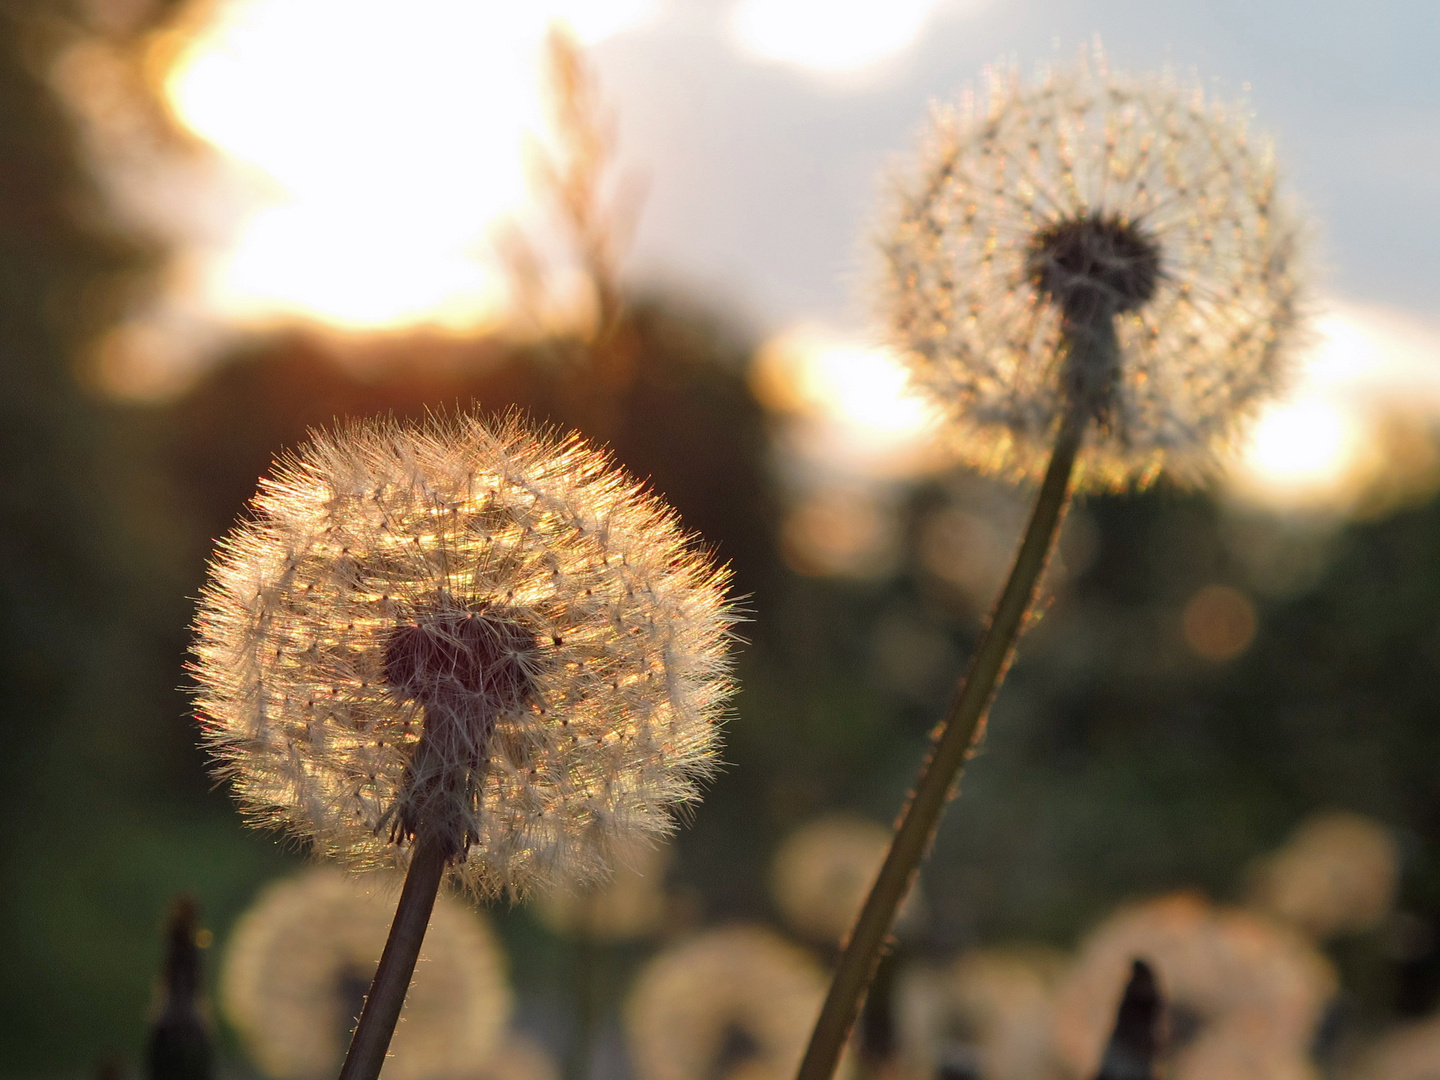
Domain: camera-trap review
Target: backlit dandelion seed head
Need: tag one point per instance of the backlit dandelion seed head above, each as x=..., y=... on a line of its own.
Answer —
x=734, y=1003
x=300, y=960
x=1047, y=210
x=1244, y=995
x=492, y=636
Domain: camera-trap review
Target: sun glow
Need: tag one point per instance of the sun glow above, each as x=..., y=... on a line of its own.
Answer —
x=850, y=400
x=1357, y=422
x=380, y=149
x=1300, y=448
x=826, y=37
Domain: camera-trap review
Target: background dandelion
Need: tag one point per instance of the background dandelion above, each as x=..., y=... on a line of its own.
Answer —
x=1089, y=189
x=733, y=1003
x=822, y=871
x=630, y=903
x=1406, y=1053
x=1244, y=996
x=1337, y=874
x=299, y=962
x=996, y=1005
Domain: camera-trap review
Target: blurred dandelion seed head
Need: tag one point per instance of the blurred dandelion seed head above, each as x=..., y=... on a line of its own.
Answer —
x=1244, y=996
x=1338, y=874
x=997, y=1002
x=1051, y=209
x=1405, y=1052
x=734, y=1003
x=491, y=635
x=519, y=1057
x=823, y=872
x=299, y=963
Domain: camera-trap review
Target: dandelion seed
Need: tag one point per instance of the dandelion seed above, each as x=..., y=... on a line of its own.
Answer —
x=1049, y=216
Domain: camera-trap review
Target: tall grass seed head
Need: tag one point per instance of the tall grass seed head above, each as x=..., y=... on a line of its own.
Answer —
x=1055, y=226
x=494, y=637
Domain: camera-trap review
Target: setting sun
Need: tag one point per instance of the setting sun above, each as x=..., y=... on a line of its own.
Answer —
x=379, y=152
x=1369, y=372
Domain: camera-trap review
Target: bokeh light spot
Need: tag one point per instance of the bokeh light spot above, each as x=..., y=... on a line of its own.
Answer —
x=1302, y=448
x=1219, y=622
x=839, y=532
x=851, y=399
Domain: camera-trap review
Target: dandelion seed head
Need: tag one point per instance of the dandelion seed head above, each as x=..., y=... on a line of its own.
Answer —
x=299, y=962
x=733, y=1003
x=1405, y=1052
x=1338, y=874
x=1050, y=210
x=1249, y=993
x=492, y=635
x=999, y=1001
x=631, y=903
x=823, y=871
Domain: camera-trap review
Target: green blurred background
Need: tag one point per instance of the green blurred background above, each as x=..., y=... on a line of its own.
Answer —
x=1120, y=761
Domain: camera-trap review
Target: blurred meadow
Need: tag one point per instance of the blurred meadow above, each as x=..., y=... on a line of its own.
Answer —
x=226, y=222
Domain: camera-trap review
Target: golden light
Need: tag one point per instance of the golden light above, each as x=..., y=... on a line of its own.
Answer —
x=840, y=531
x=1370, y=372
x=827, y=37
x=1219, y=622
x=852, y=399
x=1301, y=450
x=381, y=145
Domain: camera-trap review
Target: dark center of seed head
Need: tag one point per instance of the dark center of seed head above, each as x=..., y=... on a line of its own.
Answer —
x=452, y=658
x=466, y=668
x=1094, y=266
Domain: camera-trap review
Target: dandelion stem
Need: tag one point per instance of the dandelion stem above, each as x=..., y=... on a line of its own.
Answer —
x=397, y=963
x=951, y=744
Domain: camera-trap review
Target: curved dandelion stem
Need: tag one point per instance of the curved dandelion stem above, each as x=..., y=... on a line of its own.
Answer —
x=952, y=742
x=397, y=963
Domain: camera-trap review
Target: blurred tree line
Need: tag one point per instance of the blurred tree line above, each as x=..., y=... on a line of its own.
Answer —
x=1118, y=763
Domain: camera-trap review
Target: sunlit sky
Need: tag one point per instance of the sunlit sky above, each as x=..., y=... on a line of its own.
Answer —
x=384, y=149
x=373, y=151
